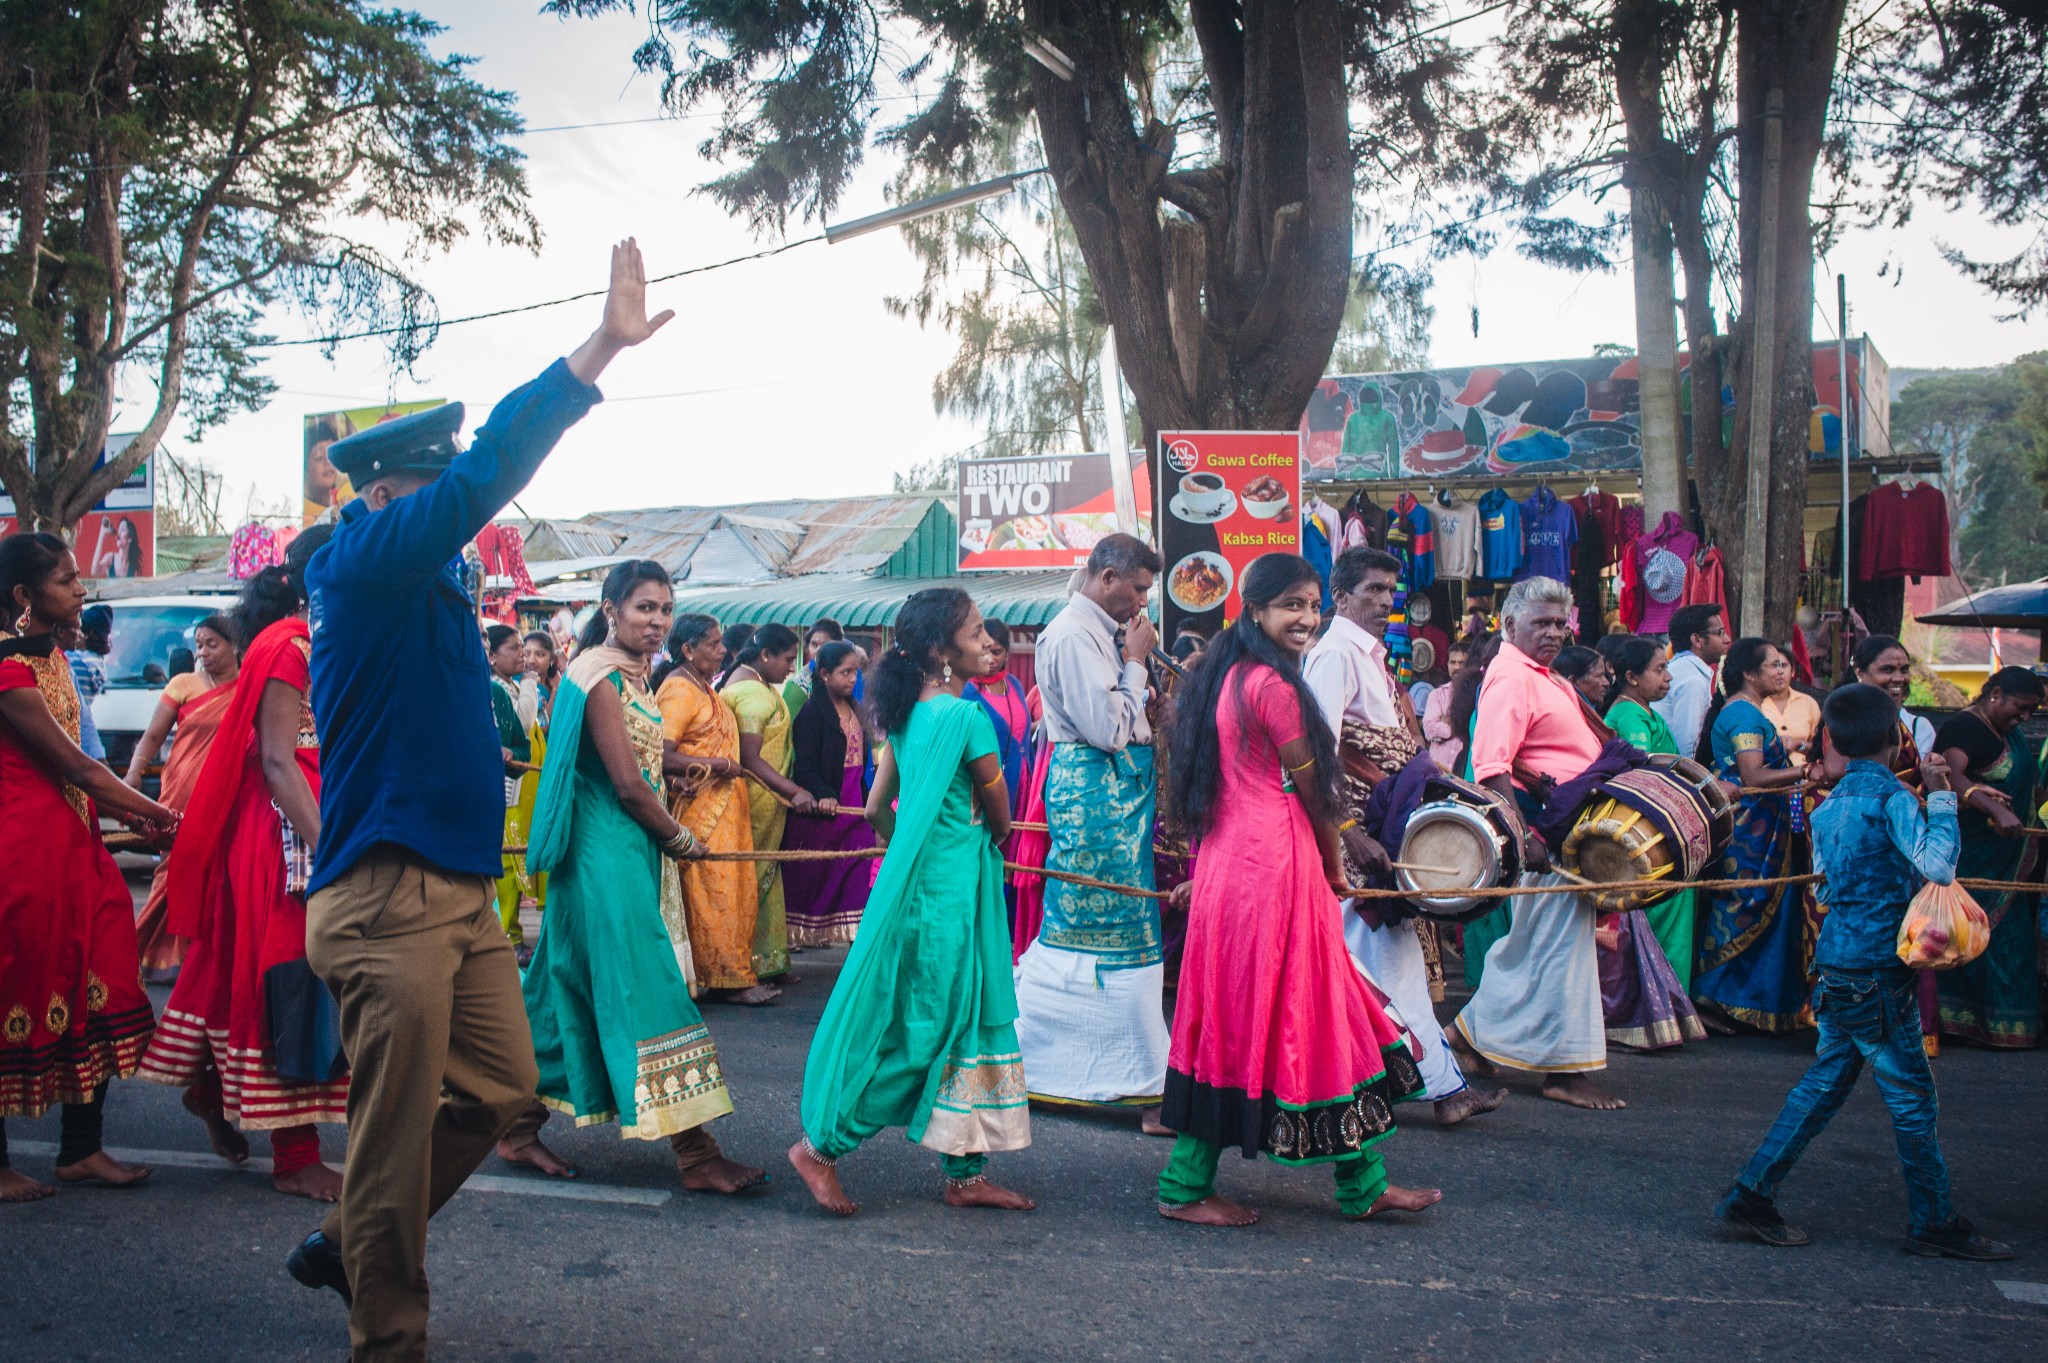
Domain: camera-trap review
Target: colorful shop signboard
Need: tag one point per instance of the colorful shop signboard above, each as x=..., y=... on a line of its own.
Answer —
x=1553, y=417
x=1226, y=497
x=117, y=538
x=1043, y=512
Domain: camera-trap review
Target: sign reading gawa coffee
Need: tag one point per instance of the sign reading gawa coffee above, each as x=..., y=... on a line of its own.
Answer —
x=1225, y=497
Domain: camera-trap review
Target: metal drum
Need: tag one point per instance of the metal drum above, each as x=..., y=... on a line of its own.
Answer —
x=1644, y=824
x=1467, y=838
x=1720, y=808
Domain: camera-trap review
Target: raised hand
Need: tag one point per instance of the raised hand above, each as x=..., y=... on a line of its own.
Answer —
x=626, y=322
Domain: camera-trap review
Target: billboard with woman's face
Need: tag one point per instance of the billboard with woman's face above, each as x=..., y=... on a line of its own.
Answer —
x=325, y=487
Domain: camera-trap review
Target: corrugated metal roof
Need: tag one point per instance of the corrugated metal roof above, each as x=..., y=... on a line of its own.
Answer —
x=858, y=601
x=833, y=535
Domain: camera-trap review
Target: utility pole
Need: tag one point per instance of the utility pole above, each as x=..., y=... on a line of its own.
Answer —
x=1763, y=375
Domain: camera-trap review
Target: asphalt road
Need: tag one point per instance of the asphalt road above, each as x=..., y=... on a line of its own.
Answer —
x=1564, y=1234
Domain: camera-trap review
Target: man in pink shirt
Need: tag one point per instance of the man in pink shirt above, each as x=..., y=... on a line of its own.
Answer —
x=1538, y=1003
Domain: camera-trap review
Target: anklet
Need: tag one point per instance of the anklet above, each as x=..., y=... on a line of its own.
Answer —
x=962, y=1184
x=815, y=1153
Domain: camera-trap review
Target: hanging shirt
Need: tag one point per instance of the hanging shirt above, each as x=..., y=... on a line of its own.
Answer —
x=1601, y=510
x=1500, y=535
x=1422, y=541
x=1457, y=541
x=1550, y=534
x=1315, y=547
x=1905, y=534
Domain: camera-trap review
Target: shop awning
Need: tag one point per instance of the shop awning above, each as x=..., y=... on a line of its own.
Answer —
x=859, y=601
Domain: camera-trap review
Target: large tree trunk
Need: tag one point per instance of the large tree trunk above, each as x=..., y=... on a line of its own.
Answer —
x=1227, y=304
x=1788, y=46
x=1652, y=177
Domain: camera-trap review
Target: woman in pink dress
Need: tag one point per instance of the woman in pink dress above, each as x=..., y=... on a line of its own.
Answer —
x=1278, y=1045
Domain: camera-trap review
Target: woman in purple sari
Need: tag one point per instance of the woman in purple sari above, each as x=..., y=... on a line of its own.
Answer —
x=829, y=744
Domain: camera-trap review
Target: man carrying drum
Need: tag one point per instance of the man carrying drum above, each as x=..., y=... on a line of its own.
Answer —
x=1377, y=734
x=1538, y=1003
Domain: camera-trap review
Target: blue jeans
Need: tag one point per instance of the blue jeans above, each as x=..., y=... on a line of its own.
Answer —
x=1874, y=1016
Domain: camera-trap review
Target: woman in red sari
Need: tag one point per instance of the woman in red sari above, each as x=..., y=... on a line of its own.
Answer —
x=72, y=1011
x=238, y=1029
x=195, y=702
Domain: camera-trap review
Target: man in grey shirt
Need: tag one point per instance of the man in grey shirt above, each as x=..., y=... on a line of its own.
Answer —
x=1089, y=1019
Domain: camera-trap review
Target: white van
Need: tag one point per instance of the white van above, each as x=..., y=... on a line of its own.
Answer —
x=146, y=631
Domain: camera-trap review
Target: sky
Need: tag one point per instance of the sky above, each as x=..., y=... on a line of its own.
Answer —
x=789, y=376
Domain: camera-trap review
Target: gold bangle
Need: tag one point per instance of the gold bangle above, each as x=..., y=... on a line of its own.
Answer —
x=1347, y=825
x=1303, y=767
x=995, y=780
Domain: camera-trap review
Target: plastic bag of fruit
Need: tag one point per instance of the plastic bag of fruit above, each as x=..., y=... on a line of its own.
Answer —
x=1944, y=928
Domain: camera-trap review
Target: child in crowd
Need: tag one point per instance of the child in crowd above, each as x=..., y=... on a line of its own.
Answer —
x=1874, y=846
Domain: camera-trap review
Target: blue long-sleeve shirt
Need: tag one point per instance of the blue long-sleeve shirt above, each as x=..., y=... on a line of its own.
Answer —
x=401, y=687
x=1876, y=849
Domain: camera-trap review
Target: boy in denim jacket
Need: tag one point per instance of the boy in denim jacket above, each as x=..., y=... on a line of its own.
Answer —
x=1874, y=847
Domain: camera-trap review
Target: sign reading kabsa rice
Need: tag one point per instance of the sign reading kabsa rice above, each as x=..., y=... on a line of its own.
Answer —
x=1043, y=512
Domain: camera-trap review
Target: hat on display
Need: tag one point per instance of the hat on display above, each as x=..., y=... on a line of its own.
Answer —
x=421, y=443
x=1664, y=576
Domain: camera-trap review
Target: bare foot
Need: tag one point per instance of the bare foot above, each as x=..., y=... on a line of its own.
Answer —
x=1210, y=1211
x=534, y=1155
x=1580, y=1091
x=1470, y=1102
x=321, y=1182
x=752, y=997
x=823, y=1181
x=724, y=1176
x=230, y=1144
x=102, y=1168
x=1402, y=1200
x=16, y=1186
x=1148, y=1122
x=987, y=1194
x=1469, y=1060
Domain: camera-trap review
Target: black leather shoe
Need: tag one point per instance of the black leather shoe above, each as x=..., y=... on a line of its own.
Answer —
x=1958, y=1240
x=317, y=1264
x=1759, y=1216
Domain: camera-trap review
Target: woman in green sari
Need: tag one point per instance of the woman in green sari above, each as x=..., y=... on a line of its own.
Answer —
x=1995, y=1000
x=1641, y=676
x=615, y=1035
x=920, y=1031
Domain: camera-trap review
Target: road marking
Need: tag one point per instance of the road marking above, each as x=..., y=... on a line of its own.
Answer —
x=2033, y=1294
x=573, y=1190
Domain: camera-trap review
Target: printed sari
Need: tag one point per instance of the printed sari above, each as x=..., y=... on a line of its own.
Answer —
x=762, y=710
x=720, y=898
x=1995, y=1000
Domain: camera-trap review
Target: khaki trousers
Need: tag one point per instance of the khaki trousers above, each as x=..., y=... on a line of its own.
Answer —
x=441, y=1062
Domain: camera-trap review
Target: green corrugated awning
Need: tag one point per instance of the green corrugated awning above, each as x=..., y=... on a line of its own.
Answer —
x=858, y=601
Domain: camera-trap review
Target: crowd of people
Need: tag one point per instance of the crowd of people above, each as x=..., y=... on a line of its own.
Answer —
x=368, y=802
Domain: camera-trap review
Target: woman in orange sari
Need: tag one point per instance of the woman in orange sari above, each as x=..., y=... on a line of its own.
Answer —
x=249, y=1032
x=195, y=702
x=721, y=899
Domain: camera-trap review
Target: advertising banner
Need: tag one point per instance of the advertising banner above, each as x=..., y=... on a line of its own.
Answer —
x=324, y=485
x=1042, y=512
x=1225, y=497
x=117, y=538
x=1543, y=419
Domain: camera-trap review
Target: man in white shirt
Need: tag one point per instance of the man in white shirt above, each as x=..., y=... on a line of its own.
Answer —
x=1700, y=634
x=1089, y=989
x=1377, y=734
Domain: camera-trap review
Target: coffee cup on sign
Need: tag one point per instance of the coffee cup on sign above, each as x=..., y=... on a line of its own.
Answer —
x=1203, y=493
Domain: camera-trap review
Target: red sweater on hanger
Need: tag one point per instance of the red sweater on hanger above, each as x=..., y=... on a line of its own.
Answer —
x=1706, y=581
x=1905, y=534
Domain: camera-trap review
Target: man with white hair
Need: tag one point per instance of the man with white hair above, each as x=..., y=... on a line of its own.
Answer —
x=1538, y=1003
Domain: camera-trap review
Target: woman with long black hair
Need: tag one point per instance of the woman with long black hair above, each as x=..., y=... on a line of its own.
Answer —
x=920, y=1031
x=754, y=691
x=1278, y=1045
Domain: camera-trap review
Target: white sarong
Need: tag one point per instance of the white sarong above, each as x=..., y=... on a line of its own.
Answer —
x=1090, y=1035
x=1538, y=1004
x=1392, y=958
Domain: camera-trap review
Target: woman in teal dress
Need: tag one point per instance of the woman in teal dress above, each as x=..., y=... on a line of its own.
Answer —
x=1641, y=676
x=615, y=1035
x=1754, y=946
x=1995, y=1000
x=920, y=1031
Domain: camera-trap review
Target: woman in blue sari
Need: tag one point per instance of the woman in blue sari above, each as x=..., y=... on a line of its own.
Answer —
x=1755, y=950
